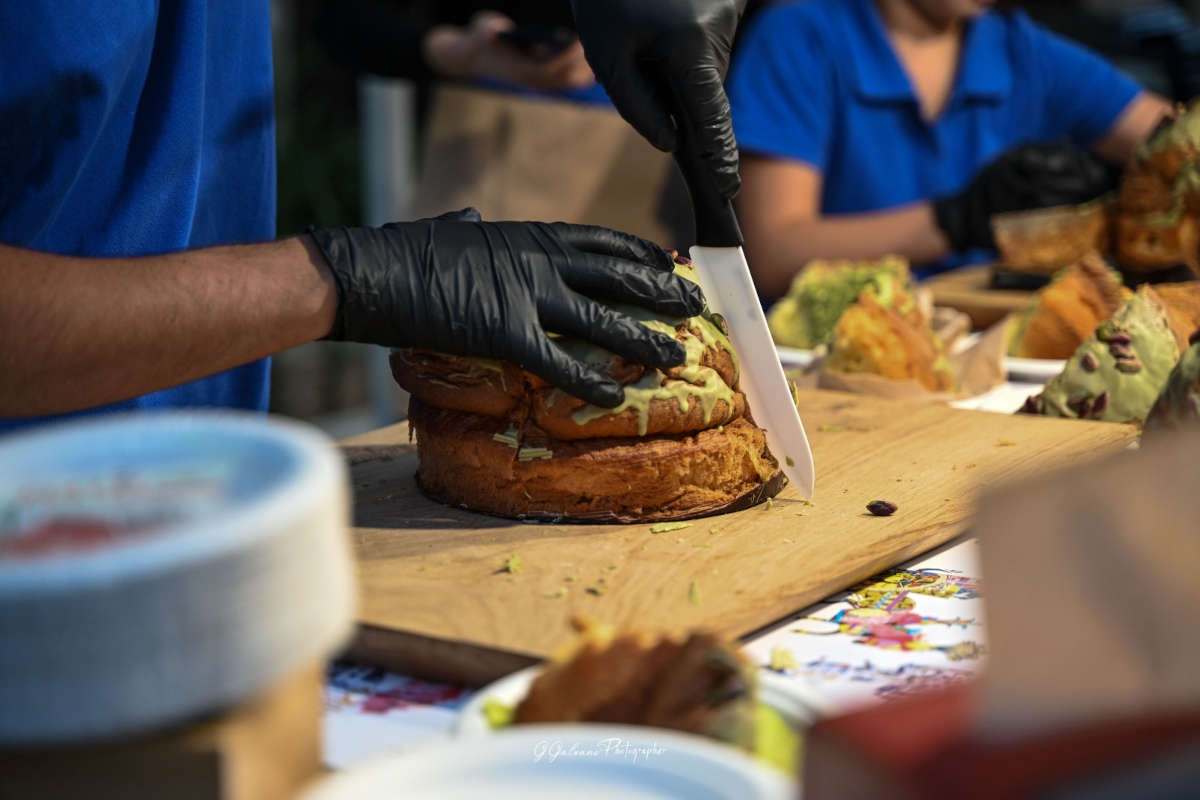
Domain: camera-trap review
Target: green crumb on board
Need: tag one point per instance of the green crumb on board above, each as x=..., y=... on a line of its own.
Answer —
x=667, y=527
x=557, y=594
x=788, y=541
x=782, y=659
x=705, y=545
x=831, y=428
x=598, y=590
x=767, y=506
x=611, y=567
x=512, y=565
x=497, y=714
x=1005, y=443
x=789, y=461
x=694, y=593
x=570, y=579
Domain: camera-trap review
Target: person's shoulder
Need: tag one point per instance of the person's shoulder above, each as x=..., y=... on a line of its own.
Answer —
x=1018, y=26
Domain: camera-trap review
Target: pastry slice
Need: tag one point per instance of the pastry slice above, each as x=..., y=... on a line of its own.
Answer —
x=1117, y=374
x=1067, y=310
x=891, y=342
x=1178, y=405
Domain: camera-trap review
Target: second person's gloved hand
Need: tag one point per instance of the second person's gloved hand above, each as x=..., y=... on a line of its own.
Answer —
x=665, y=60
x=494, y=289
x=1028, y=177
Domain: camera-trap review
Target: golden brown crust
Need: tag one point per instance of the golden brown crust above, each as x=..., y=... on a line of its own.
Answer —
x=1145, y=246
x=692, y=685
x=634, y=479
x=458, y=383
x=1070, y=308
x=870, y=338
x=1182, y=302
x=1045, y=240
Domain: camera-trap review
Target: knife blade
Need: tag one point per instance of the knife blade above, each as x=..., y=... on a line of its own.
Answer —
x=725, y=278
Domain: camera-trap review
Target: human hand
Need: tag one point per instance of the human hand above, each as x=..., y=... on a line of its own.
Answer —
x=1028, y=177
x=663, y=63
x=495, y=289
x=478, y=51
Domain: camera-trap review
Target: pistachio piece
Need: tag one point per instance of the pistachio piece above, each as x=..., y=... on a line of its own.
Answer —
x=1130, y=366
x=1106, y=330
x=1089, y=362
x=1120, y=337
x=881, y=508
x=1120, y=351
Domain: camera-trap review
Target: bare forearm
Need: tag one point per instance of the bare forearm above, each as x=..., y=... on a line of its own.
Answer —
x=778, y=250
x=77, y=332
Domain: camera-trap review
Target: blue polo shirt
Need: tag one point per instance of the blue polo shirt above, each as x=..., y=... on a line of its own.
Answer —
x=139, y=127
x=818, y=81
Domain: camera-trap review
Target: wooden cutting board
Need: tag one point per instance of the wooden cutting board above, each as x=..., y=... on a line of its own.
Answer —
x=968, y=289
x=434, y=601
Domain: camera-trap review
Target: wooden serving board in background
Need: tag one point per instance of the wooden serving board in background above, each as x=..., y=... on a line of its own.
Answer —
x=968, y=290
x=434, y=601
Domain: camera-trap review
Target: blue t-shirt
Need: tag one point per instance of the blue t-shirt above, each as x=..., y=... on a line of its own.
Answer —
x=818, y=81
x=139, y=127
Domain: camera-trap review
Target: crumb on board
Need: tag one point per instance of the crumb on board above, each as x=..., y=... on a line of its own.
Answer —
x=512, y=565
x=1005, y=443
x=831, y=428
x=694, y=593
x=667, y=527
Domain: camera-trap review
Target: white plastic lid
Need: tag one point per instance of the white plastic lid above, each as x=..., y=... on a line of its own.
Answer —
x=159, y=566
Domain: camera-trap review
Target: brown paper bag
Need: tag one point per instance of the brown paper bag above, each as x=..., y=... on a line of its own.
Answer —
x=522, y=158
x=1092, y=578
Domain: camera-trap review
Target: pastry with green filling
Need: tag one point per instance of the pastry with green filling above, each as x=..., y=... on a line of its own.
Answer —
x=823, y=290
x=698, y=684
x=1118, y=373
x=492, y=437
x=1178, y=406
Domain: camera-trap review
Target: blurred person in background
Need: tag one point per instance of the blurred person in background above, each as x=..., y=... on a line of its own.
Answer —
x=139, y=157
x=870, y=127
x=517, y=124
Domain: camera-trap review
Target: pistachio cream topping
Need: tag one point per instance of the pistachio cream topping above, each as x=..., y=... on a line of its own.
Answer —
x=1117, y=374
x=819, y=294
x=1183, y=131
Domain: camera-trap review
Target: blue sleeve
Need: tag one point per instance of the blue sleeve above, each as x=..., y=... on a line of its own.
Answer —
x=1084, y=94
x=781, y=89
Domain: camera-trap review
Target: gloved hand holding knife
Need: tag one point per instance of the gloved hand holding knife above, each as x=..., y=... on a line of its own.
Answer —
x=663, y=63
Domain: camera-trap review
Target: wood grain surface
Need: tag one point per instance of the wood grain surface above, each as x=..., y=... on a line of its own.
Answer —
x=967, y=290
x=436, y=602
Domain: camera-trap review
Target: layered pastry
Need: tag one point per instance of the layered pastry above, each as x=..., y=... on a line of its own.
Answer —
x=698, y=684
x=1158, y=225
x=494, y=438
x=1067, y=310
x=1044, y=240
x=893, y=340
x=1178, y=404
x=1182, y=301
x=1118, y=373
x=806, y=316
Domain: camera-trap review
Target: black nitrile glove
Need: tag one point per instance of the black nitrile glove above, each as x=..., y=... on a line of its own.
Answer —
x=660, y=59
x=493, y=289
x=1028, y=177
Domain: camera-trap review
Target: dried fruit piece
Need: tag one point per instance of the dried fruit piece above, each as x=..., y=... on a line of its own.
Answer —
x=882, y=508
x=1121, y=351
x=1100, y=403
x=1129, y=366
x=1089, y=362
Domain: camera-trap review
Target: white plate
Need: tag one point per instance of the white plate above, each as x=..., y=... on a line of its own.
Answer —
x=793, y=357
x=785, y=696
x=1038, y=370
x=556, y=761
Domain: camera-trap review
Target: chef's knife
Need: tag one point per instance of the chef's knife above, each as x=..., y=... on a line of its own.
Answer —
x=725, y=278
